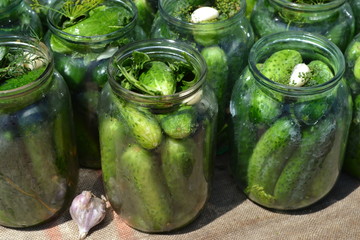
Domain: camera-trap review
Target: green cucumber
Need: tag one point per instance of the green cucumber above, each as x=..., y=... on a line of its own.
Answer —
x=263, y=108
x=356, y=69
x=179, y=124
x=111, y=133
x=145, y=128
x=269, y=156
x=301, y=168
x=352, y=159
x=178, y=160
x=217, y=77
x=279, y=65
x=310, y=110
x=143, y=174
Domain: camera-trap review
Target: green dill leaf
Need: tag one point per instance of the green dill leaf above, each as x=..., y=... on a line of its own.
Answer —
x=22, y=80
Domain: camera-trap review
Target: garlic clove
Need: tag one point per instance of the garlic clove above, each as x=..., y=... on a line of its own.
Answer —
x=87, y=211
x=203, y=14
x=299, y=75
x=33, y=61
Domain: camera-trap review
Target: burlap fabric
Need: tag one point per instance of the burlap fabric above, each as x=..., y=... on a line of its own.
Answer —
x=228, y=215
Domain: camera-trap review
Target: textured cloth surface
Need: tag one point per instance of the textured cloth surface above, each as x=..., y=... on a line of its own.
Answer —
x=227, y=215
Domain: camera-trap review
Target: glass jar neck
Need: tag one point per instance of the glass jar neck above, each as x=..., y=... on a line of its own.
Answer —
x=27, y=94
x=165, y=50
x=310, y=46
x=307, y=13
x=54, y=19
x=166, y=12
x=308, y=8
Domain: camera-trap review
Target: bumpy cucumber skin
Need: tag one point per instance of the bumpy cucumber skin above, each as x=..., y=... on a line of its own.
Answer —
x=279, y=65
x=143, y=125
x=179, y=124
x=142, y=173
x=316, y=143
x=263, y=109
x=265, y=164
x=321, y=73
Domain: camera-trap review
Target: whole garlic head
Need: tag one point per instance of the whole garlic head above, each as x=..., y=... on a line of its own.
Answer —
x=87, y=211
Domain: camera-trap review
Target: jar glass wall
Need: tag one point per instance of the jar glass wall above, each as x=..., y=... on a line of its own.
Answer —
x=333, y=19
x=224, y=43
x=157, y=152
x=81, y=54
x=38, y=162
x=289, y=141
x=17, y=18
x=352, y=57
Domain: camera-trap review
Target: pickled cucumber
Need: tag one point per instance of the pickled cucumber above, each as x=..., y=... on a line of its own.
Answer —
x=142, y=173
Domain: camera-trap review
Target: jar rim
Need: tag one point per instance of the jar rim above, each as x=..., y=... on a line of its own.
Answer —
x=312, y=39
x=78, y=39
x=155, y=46
x=189, y=25
x=39, y=47
x=309, y=7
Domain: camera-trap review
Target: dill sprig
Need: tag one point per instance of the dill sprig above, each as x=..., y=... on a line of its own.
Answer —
x=71, y=9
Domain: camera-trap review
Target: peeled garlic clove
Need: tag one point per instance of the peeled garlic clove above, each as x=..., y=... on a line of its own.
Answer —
x=299, y=75
x=87, y=211
x=203, y=14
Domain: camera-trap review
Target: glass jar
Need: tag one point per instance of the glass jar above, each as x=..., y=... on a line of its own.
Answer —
x=289, y=141
x=224, y=44
x=157, y=152
x=355, y=6
x=333, y=19
x=352, y=157
x=42, y=11
x=39, y=171
x=82, y=61
x=17, y=18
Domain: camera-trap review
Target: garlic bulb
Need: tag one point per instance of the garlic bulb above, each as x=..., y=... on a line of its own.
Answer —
x=87, y=210
x=203, y=14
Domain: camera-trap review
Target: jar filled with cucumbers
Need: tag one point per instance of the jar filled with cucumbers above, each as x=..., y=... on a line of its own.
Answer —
x=220, y=30
x=333, y=19
x=17, y=18
x=291, y=111
x=83, y=36
x=157, y=123
x=352, y=57
x=39, y=169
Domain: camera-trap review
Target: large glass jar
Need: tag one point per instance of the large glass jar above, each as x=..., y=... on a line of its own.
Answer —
x=352, y=57
x=17, y=18
x=38, y=166
x=333, y=19
x=289, y=141
x=157, y=152
x=224, y=43
x=81, y=54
